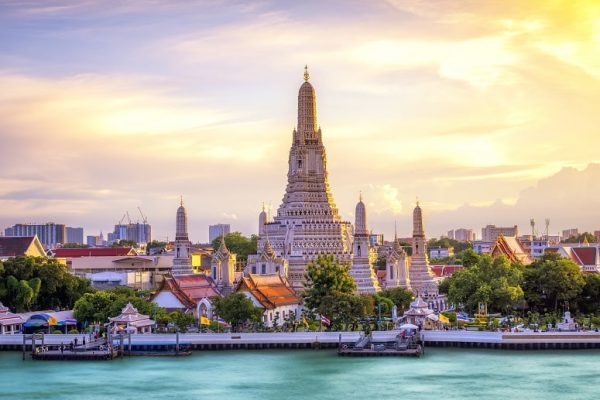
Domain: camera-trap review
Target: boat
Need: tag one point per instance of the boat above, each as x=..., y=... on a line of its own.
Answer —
x=407, y=343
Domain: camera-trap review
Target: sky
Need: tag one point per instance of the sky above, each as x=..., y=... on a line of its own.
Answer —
x=488, y=112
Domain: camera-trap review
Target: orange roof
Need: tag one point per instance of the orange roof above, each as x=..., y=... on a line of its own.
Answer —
x=510, y=247
x=190, y=289
x=445, y=270
x=270, y=290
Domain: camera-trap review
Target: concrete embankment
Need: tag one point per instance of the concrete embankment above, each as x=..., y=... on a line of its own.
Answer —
x=303, y=340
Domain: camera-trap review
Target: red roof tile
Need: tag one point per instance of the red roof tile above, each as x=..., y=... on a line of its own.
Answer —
x=442, y=270
x=94, y=252
x=585, y=255
x=270, y=290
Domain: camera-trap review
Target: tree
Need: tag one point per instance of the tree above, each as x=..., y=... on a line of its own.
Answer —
x=238, y=244
x=75, y=246
x=155, y=244
x=582, y=237
x=326, y=277
x=399, y=296
x=182, y=320
x=589, y=300
x=344, y=309
x=124, y=243
x=494, y=281
x=447, y=242
x=550, y=281
x=38, y=283
x=237, y=309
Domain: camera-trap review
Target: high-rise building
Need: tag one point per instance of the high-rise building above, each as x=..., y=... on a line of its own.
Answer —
x=464, y=235
x=135, y=232
x=214, y=231
x=491, y=232
x=567, y=233
x=50, y=234
x=74, y=235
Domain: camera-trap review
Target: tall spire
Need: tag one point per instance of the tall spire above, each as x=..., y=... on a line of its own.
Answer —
x=307, y=108
x=181, y=232
x=418, y=228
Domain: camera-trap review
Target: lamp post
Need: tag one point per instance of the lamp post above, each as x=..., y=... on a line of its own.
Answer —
x=379, y=316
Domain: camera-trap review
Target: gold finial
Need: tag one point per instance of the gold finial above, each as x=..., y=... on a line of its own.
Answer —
x=181, y=200
x=306, y=75
x=360, y=195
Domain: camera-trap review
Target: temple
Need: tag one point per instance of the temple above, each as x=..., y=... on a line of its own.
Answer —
x=307, y=222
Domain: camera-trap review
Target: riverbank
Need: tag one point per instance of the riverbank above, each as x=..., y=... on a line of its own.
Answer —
x=304, y=340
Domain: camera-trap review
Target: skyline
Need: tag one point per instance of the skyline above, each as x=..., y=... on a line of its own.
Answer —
x=485, y=112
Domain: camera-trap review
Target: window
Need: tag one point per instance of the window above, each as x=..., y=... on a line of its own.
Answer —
x=392, y=272
x=254, y=269
x=358, y=251
x=263, y=269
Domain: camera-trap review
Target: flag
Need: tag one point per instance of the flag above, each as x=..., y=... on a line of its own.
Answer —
x=305, y=322
x=204, y=320
x=222, y=322
x=444, y=319
x=325, y=320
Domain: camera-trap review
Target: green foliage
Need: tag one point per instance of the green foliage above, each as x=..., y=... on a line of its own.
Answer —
x=446, y=242
x=100, y=306
x=582, y=237
x=451, y=316
x=589, y=300
x=344, y=309
x=381, y=263
x=237, y=309
x=30, y=283
x=74, y=246
x=182, y=320
x=57, y=332
x=399, y=296
x=493, y=281
x=124, y=243
x=326, y=277
x=552, y=280
x=154, y=244
x=73, y=331
x=238, y=244
x=407, y=247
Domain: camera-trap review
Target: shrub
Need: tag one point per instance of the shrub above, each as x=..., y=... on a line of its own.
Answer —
x=57, y=332
x=73, y=331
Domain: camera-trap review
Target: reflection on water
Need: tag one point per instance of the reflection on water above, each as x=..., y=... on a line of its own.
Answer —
x=303, y=374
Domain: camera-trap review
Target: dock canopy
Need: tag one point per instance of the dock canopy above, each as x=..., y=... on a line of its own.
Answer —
x=131, y=321
x=9, y=323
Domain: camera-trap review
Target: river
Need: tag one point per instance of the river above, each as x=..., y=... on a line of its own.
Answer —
x=310, y=374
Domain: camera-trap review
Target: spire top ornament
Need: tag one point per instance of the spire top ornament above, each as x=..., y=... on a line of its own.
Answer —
x=306, y=75
x=181, y=200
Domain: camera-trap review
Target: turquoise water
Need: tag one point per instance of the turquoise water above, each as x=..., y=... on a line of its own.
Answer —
x=310, y=374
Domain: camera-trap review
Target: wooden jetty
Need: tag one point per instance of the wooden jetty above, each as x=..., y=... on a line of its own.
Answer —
x=398, y=346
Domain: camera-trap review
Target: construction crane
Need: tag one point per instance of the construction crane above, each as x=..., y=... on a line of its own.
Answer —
x=144, y=218
x=126, y=215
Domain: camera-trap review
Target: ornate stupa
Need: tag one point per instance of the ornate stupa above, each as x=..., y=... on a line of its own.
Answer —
x=307, y=222
x=363, y=254
x=422, y=280
x=182, y=263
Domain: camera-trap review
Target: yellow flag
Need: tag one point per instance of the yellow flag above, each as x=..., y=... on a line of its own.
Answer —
x=444, y=319
x=204, y=321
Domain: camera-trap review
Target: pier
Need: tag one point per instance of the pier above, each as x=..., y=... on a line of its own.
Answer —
x=147, y=344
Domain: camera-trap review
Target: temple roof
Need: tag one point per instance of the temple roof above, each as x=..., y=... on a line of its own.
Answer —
x=270, y=291
x=510, y=247
x=130, y=315
x=94, y=252
x=12, y=246
x=190, y=289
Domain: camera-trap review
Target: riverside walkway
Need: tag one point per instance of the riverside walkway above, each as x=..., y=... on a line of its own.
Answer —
x=292, y=340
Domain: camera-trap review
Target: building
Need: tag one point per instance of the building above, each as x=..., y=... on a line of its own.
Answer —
x=183, y=289
x=597, y=236
x=131, y=321
x=568, y=233
x=74, y=235
x=482, y=247
x=182, y=263
x=397, y=267
x=586, y=256
x=462, y=235
x=443, y=271
x=10, y=323
x=223, y=268
x=511, y=248
x=535, y=246
x=13, y=246
x=50, y=234
x=274, y=295
x=441, y=252
x=307, y=223
x=363, y=254
x=188, y=293
x=214, y=231
x=267, y=262
x=95, y=241
x=422, y=278
x=70, y=253
x=135, y=232
x=376, y=239
x=491, y=232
